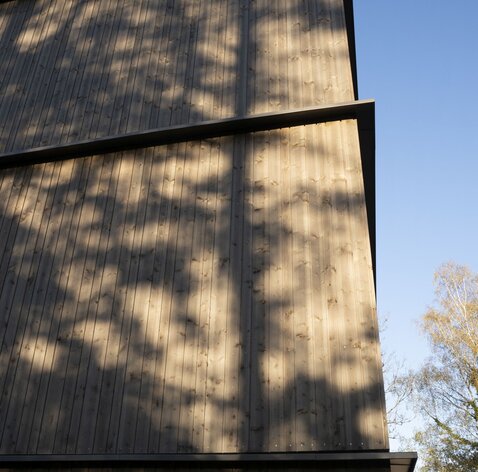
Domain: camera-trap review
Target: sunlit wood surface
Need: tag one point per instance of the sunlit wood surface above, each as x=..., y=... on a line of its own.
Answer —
x=210, y=296
x=72, y=70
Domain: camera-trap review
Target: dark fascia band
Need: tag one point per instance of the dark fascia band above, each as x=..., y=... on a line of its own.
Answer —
x=362, y=110
x=400, y=462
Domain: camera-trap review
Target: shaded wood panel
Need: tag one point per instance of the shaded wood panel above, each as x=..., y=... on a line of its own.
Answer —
x=76, y=70
x=209, y=296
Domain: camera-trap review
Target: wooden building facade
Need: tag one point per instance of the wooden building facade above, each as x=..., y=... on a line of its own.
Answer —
x=186, y=228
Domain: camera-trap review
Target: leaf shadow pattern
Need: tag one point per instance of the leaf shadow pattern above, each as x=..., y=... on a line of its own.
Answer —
x=213, y=296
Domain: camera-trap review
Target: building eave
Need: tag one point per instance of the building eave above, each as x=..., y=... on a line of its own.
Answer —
x=397, y=462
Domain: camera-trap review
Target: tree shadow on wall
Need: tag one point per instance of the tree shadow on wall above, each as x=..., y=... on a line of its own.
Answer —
x=175, y=299
x=78, y=70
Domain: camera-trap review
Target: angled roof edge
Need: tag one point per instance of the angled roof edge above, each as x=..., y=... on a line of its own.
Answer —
x=361, y=110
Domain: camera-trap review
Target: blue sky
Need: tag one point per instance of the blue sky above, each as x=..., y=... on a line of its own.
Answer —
x=419, y=60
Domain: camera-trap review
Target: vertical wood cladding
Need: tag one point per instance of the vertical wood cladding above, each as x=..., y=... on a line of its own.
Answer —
x=206, y=296
x=74, y=70
x=209, y=296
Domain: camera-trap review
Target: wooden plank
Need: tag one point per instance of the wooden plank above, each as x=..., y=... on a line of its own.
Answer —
x=163, y=75
x=118, y=438
x=203, y=75
x=174, y=67
x=214, y=356
x=6, y=14
x=57, y=294
x=75, y=392
x=69, y=434
x=181, y=99
x=67, y=93
x=162, y=19
x=83, y=75
x=31, y=304
x=372, y=401
x=186, y=297
x=24, y=263
x=350, y=368
x=217, y=415
x=231, y=229
x=18, y=69
x=93, y=70
x=90, y=120
x=260, y=254
x=293, y=371
x=10, y=222
x=307, y=154
x=191, y=432
x=345, y=87
x=185, y=310
x=276, y=305
x=69, y=341
x=276, y=234
x=182, y=310
x=172, y=335
x=145, y=46
x=42, y=303
x=10, y=21
x=104, y=109
x=309, y=202
x=232, y=388
x=338, y=308
x=150, y=271
x=246, y=179
x=144, y=365
x=235, y=388
x=225, y=325
x=127, y=115
x=161, y=293
x=100, y=119
x=301, y=296
x=320, y=265
x=132, y=352
x=48, y=124
x=289, y=392
x=121, y=175
x=28, y=81
x=36, y=108
x=7, y=179
x=258, y=251
x=11, y=267
x=202, y=294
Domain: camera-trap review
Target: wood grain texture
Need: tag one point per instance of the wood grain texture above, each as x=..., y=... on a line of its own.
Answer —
x=82, y=69
x=210, y=296
x=207, y=296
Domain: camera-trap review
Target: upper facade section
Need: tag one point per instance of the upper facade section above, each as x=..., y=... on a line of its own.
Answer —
x=76, y=70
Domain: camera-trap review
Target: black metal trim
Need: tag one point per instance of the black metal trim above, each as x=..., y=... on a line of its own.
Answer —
x=189, y=132
x=361, y=110
x=219, y=461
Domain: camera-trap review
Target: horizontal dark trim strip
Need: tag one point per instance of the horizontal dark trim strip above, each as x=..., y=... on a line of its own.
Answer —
x=215, y=460
x=362, y=110
x=191, y=132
